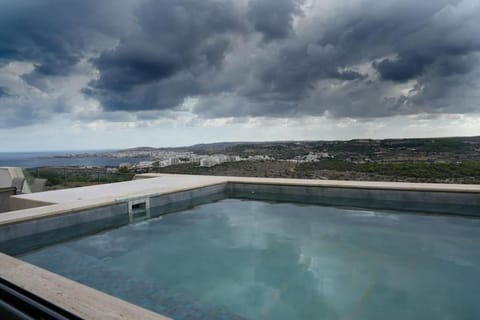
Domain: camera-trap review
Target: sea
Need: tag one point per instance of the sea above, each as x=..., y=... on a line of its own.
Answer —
x=56, y=159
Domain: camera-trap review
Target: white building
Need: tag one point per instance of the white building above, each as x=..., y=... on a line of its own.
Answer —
x=260, y=158
x=145, y=165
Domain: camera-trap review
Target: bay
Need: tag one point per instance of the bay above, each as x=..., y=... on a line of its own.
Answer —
x=57, y=159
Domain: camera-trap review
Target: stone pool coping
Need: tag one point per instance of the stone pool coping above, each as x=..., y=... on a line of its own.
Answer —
x=80, y=300
x=71, y=200
x=65, y=201
x=92, y=304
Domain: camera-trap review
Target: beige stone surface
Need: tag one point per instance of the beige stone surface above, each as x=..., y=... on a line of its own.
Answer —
x=437, y=187
x=22, y=204
x=83, y=301
x=121, y=190
x=71, y=200
x=167, y=183
x=51, y=210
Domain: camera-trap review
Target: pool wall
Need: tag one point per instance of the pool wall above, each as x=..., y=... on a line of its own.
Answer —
x=29, y=235
x=186, y=199
x=425, y=201
x=21, y=204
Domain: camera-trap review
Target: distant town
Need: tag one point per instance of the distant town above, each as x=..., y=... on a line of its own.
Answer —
x=438, y=150
x=162, y=158
x=438, y=160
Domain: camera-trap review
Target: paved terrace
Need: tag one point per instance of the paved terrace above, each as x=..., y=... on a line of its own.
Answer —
x=68, y=200
x=168, y=183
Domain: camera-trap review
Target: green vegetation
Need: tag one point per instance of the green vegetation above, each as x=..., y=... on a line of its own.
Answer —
x=76, y=177
x=452, y=172
x=449, y=172
x=463, y=172
x=469, y=170
x=281, y=151
x=450, y=148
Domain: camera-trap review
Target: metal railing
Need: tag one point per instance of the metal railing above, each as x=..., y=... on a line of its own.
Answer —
x=19, y=304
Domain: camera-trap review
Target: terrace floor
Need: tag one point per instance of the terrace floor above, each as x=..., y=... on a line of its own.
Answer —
x=167, y=183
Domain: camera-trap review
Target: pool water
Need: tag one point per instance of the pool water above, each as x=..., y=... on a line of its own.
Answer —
x=237, y=259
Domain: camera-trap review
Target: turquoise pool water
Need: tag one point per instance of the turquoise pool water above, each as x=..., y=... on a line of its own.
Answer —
x=237, y=259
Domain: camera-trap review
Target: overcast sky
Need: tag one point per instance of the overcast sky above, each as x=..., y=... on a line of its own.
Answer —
x=95, y=74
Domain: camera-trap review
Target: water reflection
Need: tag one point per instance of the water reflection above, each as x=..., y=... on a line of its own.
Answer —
x=262, y=260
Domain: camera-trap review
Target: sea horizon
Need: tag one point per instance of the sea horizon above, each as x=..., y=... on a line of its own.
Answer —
x=35, y=159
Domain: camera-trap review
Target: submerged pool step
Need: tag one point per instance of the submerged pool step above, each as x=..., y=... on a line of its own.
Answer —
x=139, y=209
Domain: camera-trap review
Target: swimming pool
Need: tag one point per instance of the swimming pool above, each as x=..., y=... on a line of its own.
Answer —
x=247, y=259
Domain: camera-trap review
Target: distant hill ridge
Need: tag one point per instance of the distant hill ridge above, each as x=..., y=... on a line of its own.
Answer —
x=219, y=146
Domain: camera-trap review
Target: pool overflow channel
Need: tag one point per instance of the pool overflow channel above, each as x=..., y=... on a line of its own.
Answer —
x=138, y=209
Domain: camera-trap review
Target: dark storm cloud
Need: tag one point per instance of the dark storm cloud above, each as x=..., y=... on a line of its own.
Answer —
x=271, y=58
x=54, y=34
x=402, y=69
x=156, y=66
x=273, y=18
x=443, y=42
x=427, y=42
x=4, y=92
x=297, y=68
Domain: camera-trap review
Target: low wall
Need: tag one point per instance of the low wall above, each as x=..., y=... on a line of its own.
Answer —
x=21, y=204
x=5, y=194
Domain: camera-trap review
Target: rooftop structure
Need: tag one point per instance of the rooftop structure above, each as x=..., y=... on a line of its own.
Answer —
x=13, y=177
